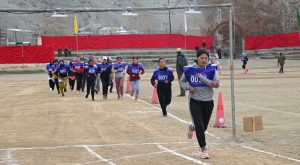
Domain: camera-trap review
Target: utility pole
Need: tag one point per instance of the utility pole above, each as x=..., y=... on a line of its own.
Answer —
x=170, y=22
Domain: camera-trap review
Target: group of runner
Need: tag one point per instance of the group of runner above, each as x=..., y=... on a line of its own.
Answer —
x=199, y=79
x=89, y=73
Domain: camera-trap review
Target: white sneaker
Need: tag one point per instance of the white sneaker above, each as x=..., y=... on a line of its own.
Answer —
x=205, y=154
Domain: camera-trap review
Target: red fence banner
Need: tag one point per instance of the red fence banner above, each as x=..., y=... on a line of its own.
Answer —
x=272, y=41
x=26, y=54
x=130, y=41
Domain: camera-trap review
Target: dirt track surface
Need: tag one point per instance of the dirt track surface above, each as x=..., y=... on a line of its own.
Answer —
x=39, y=127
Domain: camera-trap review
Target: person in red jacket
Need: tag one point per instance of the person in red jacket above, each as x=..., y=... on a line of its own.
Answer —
x=134, y=70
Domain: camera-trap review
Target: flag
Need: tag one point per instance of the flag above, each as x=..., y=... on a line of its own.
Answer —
x=298, y=16
x=185, y=23
x=75, y=25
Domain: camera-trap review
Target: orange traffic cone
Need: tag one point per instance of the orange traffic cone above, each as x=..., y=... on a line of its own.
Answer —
x=220, y=118
x=155, y=96
x=128, y=85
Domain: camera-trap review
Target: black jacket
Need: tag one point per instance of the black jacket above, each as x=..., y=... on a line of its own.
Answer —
x=180, y=63
x=170, y=79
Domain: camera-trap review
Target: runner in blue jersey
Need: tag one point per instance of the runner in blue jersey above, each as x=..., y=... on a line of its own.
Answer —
x=162, y=80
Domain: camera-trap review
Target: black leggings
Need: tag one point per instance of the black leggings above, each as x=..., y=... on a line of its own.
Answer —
x=56, y=83
x=83, y=82
x=201, y=112
x=90, y=86
x=51, y=84
x=164, y=93
x=71, y=83
x=78, y=77
x=105, y=84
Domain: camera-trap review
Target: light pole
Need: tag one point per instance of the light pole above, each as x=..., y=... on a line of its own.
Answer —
x=232, y=71
x=170, y=22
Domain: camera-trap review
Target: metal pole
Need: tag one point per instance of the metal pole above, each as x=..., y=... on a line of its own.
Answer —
x=232, y=73
x=170, y=22
x=185, y=30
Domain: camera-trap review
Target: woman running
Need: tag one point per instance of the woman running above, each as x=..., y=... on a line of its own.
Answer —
x=119, y=69
x=134, y=70
x=49, y=70
x=71, y=77
x=91, y=71
x=62, y=72
x=162, y=80
x=78, y=68
x=200, y=80
x=105, y=70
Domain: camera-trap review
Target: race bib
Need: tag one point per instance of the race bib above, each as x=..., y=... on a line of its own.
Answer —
x=63, y=71
x=92, y=70
x=162, y=77
x=135, y=71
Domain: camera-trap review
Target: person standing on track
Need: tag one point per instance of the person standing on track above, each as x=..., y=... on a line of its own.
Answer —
x=78, y=68
x=162, y=80
x=180, y=63
x=91, y=71
x=200, y=80
x=49, y=70
x=119, y=69
x=134, y=70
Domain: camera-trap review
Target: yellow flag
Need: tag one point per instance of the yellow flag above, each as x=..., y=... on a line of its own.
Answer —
x=75, y=25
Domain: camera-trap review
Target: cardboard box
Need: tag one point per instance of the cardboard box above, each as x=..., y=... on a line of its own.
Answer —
x=248, y=124
x=258, y=123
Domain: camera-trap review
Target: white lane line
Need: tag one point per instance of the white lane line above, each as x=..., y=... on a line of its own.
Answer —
x=270, y=153
x=98, y=156
x=169, y=114
x=269, y=109
x=8, y=158
x=135, y=144
x=38, y=148
x=83, y=145
x=140, y=155
x=253, y=149
x=181, y=155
